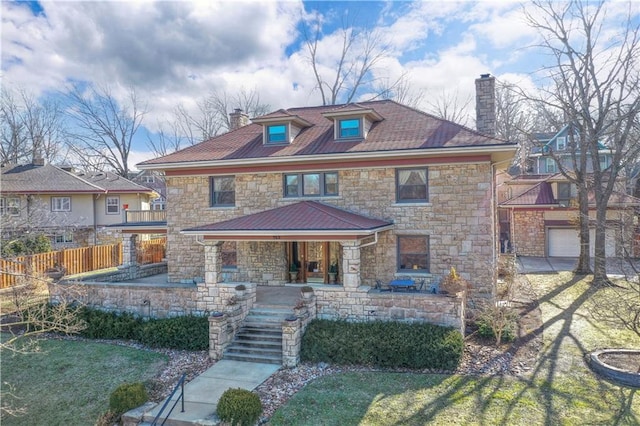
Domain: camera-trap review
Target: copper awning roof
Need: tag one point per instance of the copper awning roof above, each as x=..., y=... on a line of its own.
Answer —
x=305, y=220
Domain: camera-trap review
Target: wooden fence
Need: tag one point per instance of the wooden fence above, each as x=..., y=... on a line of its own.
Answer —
x=151, y=251
x=75, y=261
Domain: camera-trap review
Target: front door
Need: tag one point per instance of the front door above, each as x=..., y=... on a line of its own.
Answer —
x=314, y=260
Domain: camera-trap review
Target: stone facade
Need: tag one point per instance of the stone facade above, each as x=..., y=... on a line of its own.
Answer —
x=457, y=219
x=528, y=234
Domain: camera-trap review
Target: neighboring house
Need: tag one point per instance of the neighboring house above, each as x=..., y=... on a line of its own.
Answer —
x=539, y=210
x=155, y=181
x=368, y=191
x=550, y=148
x=73, y=208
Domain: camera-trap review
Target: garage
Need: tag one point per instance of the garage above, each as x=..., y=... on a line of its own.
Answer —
x=565, y=242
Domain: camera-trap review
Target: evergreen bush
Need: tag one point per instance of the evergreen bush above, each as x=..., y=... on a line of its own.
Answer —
x=126, y=397
x=239, y=407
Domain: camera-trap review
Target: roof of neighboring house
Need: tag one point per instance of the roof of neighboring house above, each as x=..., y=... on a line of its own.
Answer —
x=401, y=128
x=540, y=194
x=36, y=179
x=299, y=218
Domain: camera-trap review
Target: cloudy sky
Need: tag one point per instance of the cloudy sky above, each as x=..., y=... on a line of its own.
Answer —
x=175, y=52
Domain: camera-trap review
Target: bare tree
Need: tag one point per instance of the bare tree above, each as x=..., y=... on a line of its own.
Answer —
x=595, y=82
x=341, y=78
x=30, y=126
x=106, y=128
x=210, y=119
x=449, y=106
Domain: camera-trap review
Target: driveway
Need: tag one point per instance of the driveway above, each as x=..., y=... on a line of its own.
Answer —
x=542, y=265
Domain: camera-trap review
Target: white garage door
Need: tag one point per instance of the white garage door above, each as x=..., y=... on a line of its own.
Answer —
x=564, y=242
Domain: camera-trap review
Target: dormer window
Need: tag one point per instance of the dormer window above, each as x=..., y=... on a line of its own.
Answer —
x=561, y=143
x=277, y=133
x=350, y=128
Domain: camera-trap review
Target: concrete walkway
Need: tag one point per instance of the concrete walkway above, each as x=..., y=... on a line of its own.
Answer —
x=542, y=265
x=201, y=395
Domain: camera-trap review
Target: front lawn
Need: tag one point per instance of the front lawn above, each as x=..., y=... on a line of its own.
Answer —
x=69, y=382
x=560, y=390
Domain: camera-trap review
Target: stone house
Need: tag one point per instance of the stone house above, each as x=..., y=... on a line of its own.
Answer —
x=539, y=210
x=345, y=196
x=74, y=209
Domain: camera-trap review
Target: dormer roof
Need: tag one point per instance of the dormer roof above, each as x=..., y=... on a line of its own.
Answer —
x=282, y=116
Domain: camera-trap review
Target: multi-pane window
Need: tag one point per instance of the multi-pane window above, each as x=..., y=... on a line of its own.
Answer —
x=561, y=142
x=223, y=191
x=550, y=165
x=148, y=179
x=229, y=255
x=311, y=184
x=113, y=205
x=349, y=128
x=60, y=204
x=412, y=185
x=413, y=253
x=277, y=133
x=564, y=193
x=63, y=237
x=10, y=206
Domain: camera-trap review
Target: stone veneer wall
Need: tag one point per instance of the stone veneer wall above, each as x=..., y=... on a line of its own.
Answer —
x=457, y=220
x=528, y=234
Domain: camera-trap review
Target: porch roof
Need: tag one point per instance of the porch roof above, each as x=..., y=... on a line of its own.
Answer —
x=302, y=220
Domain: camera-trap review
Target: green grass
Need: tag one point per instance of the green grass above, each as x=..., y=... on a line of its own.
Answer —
x=69, y=382
x=560, y=391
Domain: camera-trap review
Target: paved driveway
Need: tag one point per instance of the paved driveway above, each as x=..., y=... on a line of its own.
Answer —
x=532, y=265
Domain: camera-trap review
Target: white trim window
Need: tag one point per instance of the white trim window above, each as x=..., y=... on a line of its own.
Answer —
x=113, y=205
x=60, y=204
x=10, y=206
x=63, y=237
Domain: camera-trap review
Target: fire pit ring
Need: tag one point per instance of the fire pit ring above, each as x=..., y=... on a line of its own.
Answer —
x=627, y=377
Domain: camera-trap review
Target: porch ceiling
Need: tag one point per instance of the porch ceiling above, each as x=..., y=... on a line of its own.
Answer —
x=305, y=220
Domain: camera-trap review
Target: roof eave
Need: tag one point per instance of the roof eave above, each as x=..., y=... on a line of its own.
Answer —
x=297, y=159
x=288, y=232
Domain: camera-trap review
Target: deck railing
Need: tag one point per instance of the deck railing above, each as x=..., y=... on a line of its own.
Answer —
x=137, y=216
x=74, y=261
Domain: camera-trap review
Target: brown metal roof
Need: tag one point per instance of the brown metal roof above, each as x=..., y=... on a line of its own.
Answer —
x=539, y=195
x=401, y=128
x=300, y=218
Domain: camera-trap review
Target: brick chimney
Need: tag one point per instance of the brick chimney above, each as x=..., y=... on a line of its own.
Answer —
x=486, y=104
x=38, y=159
x=237, y=119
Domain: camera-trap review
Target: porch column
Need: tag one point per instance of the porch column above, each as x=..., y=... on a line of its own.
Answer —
x=212, y=262
x=129, y=250
x=350, y=264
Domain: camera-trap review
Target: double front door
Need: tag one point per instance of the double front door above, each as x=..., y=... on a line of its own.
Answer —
x=316, y=261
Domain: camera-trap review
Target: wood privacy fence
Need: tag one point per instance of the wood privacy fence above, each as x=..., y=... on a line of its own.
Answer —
x=151, y=251
x=75, y=261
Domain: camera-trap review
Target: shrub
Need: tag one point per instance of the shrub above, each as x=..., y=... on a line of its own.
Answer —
x=126, y=397
x=110, y=325
x=383, y=344
x=187, y=333
x=239, y=407
x=498, y=322
x=26, y=245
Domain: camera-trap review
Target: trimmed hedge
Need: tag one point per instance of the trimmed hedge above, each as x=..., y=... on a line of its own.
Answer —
x=185, y=333
x=126, y=397
x=239, y=407
x=383, y=344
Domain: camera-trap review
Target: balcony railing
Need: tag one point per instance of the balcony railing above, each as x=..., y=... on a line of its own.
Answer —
x=138, y=216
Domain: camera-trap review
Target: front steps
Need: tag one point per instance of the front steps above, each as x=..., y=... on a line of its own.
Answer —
x=260, y=337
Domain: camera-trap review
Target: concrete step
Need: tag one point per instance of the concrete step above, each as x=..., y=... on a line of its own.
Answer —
x=258, y=343
x=265, y=359
x=250, y=336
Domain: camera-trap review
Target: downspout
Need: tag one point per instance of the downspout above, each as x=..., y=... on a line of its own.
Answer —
x=375, y=241
x=494, y=217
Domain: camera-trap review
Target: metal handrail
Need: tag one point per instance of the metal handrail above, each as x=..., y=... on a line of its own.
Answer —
x=181, y=397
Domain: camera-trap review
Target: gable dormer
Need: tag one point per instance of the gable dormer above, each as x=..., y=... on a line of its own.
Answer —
x=280, y=127
x=352, y=122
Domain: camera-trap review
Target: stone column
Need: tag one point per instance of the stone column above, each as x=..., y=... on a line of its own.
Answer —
x=350, y=264
x=291, y=341
x=130, y=250
x=213, y=262
x=217, y=336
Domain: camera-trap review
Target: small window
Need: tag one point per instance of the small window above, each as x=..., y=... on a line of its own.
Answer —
x=148, y=179
x=223, y=191
x=60, y=204
x=113, y=205
x=10, y=206
x=63, y=237
x=561, y=143
x=550, y=165
x=311, y=184
x=350, y=128
x=277, y=133
x=605, y=162
x=564, y=193
x=413, y=253
x=412, y=185
x=229, y=255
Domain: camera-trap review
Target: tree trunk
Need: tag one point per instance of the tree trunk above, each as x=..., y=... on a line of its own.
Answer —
x=584, y=261
x=600, y=258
